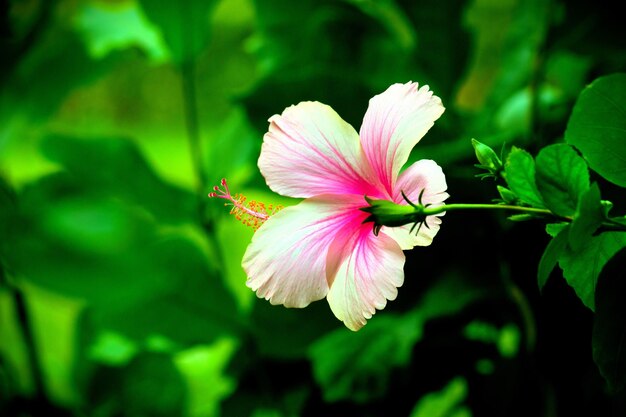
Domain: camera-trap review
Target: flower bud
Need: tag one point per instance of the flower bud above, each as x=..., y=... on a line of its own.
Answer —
x=487, y=158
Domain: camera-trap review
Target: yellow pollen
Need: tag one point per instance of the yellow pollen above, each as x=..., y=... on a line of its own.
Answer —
x=250, y=213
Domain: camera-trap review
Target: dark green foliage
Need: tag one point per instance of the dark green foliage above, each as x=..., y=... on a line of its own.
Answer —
x=298, y=328
x=562, y=176
x=555, y=249
x=558, y=183
x=357, y=366
x=609, y=327
x=192, y=284
x=589, y=216
x=121, y=286
x=68, y=239
x=520, y=175
x=561, y=186
x=67, y=65
x=598, y=127
x=184, y=25
x=150, y=385
x=114, y=166
x=581, y=268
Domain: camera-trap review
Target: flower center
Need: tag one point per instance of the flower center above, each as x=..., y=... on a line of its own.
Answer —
x=251, y=213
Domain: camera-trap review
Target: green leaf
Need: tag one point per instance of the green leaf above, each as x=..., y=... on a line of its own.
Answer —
x=347, y=47
x=8, y=209
x=15, y=368
x=568, y=72
x=562, y=176
x=233, y=239
x=392, y=17
x=204, y=369
x=357, y=365
x=222, y=159
x=553, y=229
x=294, y=85
x=107, y=27
x=609, y=324
x=506, y=195
x=506, y=339
x=521, y=217
x=444, y=403
x=185, y=25
x=589, y=216
x=52, y=319
x=150, y=385
x=111, y=348
x=556, y=247
x=581, y=268
x=115, y=166
x=279, y=333
x=520, y=175
x=597, y=127
x=516, y=33
x=45, y=76
x=197, y=309
x=83, y=245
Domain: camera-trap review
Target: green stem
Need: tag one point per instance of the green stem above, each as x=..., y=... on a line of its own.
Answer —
x=390, y=214
x=29, y=340
x=28, y=334
x=607, y=226
x=191, y=122
x=187, y=69
x=429, y=211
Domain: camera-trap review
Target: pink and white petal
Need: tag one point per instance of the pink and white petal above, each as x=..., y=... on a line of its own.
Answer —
x=368, y=276
x=286, y=259
x=422, y=236
x=309, y=150
x=394, y=122
x=424, y=175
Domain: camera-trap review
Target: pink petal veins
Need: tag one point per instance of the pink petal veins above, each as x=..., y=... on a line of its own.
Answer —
x=286, y=260
x=366, y=278
x=309, y=150
x=321, y=246
x=394, y=122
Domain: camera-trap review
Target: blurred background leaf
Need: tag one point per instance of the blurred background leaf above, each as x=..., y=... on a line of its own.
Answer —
x=184, y=25
x=114, y=166
x=356, y=366
x=121, y=287
x=609, y=327
x=106, y=27
x=445, y=402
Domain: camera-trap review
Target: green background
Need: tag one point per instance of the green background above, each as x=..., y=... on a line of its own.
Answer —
x=121, y=291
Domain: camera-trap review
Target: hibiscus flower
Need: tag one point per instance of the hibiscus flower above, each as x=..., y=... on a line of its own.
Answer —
x=324, y=246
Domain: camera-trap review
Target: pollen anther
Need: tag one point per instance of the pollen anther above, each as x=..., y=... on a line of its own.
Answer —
x=250, y=213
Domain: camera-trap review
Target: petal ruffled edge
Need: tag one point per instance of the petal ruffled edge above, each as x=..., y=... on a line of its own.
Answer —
x=394, y=122
x=369, y=274
x=286, y=259
x=310, y=150
x=423, y=175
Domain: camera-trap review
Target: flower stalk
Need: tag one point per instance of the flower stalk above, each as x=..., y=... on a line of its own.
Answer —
x=390, y=214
